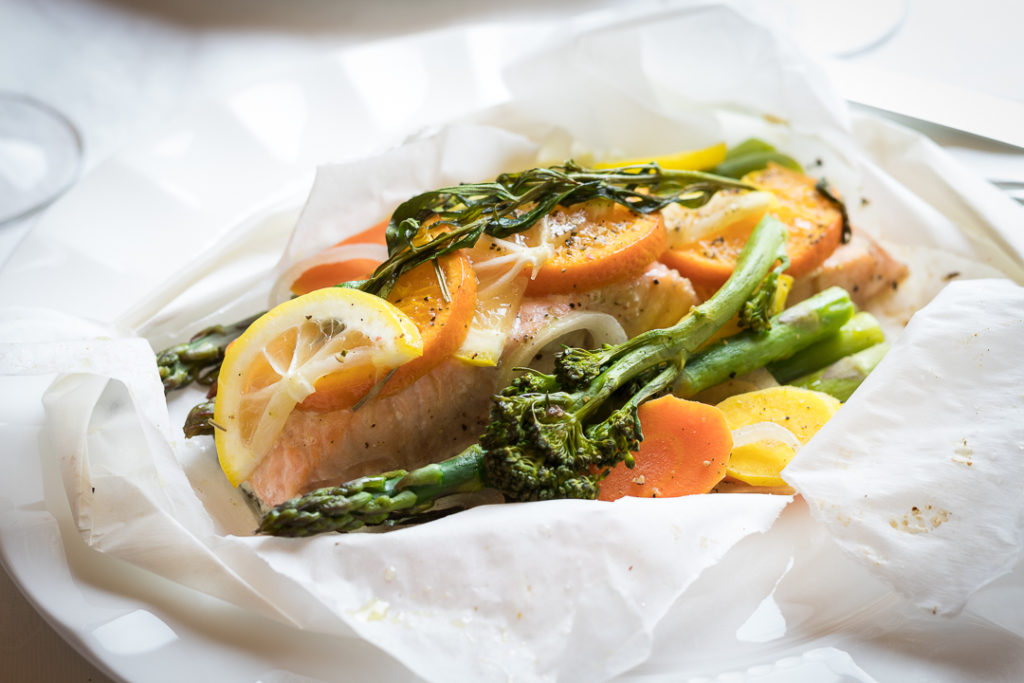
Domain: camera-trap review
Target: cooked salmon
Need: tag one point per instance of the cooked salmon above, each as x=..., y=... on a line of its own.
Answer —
x=433, y=418
x=658, y=297
x=862, y=267
x=446, y=410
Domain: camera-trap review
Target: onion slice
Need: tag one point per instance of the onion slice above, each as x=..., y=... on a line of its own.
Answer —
x=282, y=290
x=724, y=209
x=602, y=328
x=764, y=431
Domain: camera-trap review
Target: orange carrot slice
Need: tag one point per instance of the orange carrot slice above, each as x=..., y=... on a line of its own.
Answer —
x=335, y=272
x=372, y=235
x=815, y=230
x=442, y=324
x=594, y=244
x=685, y=450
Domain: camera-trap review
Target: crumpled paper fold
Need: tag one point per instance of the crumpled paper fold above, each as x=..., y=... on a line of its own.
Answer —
x=921, y=474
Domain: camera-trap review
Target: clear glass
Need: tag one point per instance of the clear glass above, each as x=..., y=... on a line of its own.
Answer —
x=842, y=29
x=40, y=155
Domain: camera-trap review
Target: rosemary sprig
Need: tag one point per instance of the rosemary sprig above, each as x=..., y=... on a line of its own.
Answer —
x=515, y=201
x=510, y=204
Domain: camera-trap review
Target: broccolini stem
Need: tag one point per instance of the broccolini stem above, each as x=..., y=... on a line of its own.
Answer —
x=677, y=343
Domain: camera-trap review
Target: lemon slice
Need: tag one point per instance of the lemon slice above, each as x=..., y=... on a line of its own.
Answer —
x=277, y=362
x=503, y=269
x=693, y=159
x=800, y=411
x=724, y=210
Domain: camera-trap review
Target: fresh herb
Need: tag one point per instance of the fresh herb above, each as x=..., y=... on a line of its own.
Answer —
x=512, y=203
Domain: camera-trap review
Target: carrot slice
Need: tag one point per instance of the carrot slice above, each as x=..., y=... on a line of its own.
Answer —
x=815, y=230
x=442, y=324
x=685, y=450
x=334, y=273
x=594, y=244
x=372, y=235
x=330, y=274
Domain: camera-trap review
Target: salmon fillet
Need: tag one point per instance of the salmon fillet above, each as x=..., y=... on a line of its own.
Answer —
x=446, y=410
x=861, y=266
x=658, y=297
x=433, y=418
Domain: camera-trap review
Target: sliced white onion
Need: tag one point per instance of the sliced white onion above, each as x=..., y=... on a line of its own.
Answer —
x=711, y=219
x=282, y=290
x=600, y=327
x=764, y=431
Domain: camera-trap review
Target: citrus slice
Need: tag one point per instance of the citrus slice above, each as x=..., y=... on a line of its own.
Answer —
x=815, y=230
x=724, y=209
x=690, y=160
x=800, y=411
x=442, y=325
x=503, y=269
x=276, y=363
x=594, y=244
x=332, y=266
x=353, y=258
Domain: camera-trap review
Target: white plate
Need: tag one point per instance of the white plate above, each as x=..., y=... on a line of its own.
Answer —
x=186, y=189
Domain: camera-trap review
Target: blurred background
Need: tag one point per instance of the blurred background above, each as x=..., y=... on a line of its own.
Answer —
x=119, y=70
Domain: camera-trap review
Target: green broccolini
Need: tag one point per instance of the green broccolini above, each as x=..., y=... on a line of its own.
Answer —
x=814, y=321
x=549, y=436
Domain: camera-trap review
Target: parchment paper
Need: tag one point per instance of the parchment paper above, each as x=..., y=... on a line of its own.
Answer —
x=576, y=590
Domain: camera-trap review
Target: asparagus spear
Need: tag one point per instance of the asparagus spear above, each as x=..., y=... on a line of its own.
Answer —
x=198, y=422
x=200, y=357
x=857, y=334
x=842, y=377
x=549, y=436
x=809, y=321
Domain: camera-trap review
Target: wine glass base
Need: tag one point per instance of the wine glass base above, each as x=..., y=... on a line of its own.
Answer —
x=843, y=29
x=40, y=155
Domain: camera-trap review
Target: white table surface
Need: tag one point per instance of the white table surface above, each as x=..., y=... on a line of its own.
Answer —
x=122, y=68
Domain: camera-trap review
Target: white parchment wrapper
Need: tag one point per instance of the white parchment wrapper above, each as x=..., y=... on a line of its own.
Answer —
x=569, y=589
x=934, y=440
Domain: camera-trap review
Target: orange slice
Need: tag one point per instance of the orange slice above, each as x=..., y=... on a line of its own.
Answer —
x=815, y=230
x=594, y=244
x=442, y=326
